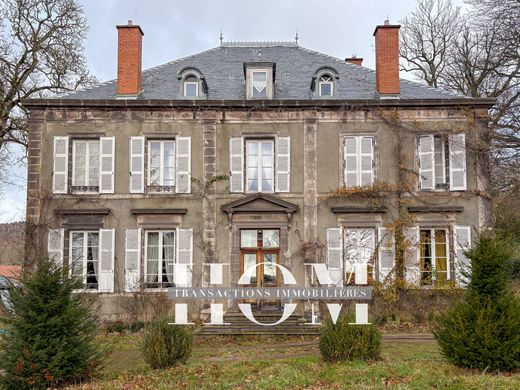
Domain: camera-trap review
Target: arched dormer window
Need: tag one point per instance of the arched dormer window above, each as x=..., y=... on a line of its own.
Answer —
x=192, y=84
x=324, y=83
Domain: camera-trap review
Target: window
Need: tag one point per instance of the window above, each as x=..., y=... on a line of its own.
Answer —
x=359, y=249
x=359, y=161
x=442, y=162
x=161, y=164
x=160, y=259
x=84, y=257
x=434, y=256
x=326, y=85
x=85, y=165
x=259, y=84
x=191, y=86
x=260, y=165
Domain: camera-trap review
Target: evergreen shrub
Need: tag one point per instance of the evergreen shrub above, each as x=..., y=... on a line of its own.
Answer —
x=166, y=345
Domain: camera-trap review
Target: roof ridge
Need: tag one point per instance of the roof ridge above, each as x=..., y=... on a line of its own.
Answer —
x=258, y=43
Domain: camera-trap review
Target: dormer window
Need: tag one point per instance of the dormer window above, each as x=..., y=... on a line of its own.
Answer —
x=191, y=86
x=326, y=85
x=259, y=84
x=259, y=80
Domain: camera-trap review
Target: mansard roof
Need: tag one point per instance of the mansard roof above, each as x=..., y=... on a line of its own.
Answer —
x=222, y=69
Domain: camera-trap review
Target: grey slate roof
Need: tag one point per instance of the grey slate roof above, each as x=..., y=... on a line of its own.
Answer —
x=223, y=70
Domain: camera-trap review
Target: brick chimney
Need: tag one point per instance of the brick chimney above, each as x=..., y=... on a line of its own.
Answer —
x=387, y=59
x=354, y=60
x=129, y=54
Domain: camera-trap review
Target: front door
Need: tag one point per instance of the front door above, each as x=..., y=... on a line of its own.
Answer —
x=259, y=254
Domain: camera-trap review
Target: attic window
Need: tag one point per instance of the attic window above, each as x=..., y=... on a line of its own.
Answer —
x=191, y=86
x=259, y=84
x=326, y=85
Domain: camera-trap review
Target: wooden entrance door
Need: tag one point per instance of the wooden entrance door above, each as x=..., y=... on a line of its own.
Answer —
x=259, y=254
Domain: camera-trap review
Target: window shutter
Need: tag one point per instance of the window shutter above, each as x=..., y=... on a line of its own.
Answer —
x=386, y=254
x=462, y=242
x=136, y=165
x=132, y=260
x=457, y=145
x=411, y=256
x=335, y=255
x=106, y=260
x=283, y=164
x=60, y=171
x=236, y=164
x=106, y=165
x=366, y=161
x=185, y=251
x=183, y=165
x=426, y=156
x=55, y=245
x=351, y=161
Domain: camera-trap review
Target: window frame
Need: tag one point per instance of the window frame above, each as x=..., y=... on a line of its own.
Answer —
x=84, y=189
x=84, y=255
x=253, y=71
x=161, y=187
x=433, y=256
x=349, y=276
x=160, y=284
x=359, y=171
x=259, y=166
x=322, y=82
x=186, y=83
x=445, y=164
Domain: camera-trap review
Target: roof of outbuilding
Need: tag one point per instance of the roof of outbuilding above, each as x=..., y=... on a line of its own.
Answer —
x=222, y=68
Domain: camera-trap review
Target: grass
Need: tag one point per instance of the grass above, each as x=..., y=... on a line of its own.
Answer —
x=280, y=363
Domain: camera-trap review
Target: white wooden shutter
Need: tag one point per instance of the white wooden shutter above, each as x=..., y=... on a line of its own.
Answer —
x=106, y=165
x=106, y=260
x=457, y=145
x=335, y=255
x=236, y=164
x=183, y=165
x=366, y=161
x=55, y=245
x=426, y=162
x=412, y=268
x=462, y=242
x=136, y=165
x=185, y=253
x=283, y=164
x=351, y=161
x=386, y=254
x=132, y=259
x=60, y=171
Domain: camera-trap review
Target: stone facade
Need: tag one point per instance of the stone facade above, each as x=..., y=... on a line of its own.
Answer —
x=316, y=161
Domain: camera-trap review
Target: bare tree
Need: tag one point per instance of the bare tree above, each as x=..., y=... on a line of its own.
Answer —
x=475, y=53
x=41, y=53
x=427, y=36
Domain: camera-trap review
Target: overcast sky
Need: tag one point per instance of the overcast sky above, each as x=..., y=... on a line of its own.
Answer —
x=177, y=28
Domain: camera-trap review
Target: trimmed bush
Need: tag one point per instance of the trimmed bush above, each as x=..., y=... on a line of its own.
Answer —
x=50, y=332
x=483, y=331
x=342, y=341
x=166, y=345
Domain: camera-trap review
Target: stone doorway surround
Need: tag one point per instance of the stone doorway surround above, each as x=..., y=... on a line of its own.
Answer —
x=257, y=211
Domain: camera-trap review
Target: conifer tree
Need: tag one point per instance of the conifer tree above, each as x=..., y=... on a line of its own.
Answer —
x=483, y=331
x=50, y=339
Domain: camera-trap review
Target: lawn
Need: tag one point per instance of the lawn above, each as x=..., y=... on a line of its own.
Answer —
x=280, y=363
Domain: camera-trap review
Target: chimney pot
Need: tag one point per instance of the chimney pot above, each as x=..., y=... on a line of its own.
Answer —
x=129, y=59
x=387, y=59
x=354, y=60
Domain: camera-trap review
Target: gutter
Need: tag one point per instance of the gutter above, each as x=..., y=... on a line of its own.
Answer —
x=255, y=104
